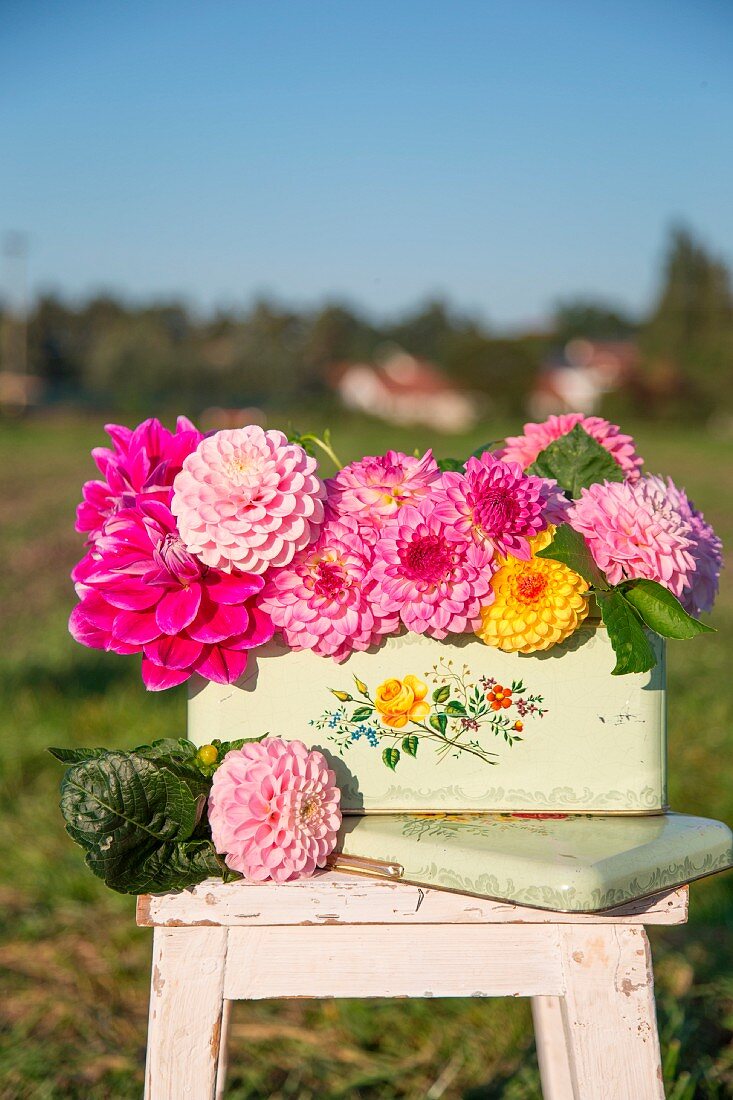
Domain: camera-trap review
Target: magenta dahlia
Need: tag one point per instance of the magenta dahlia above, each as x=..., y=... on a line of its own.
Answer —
x=427, y=573
x=141, y=591
x=142, y=461
x=247, y=499
x=322, y=599
x=495, y=503
x=634, y=529
x=274, y=810
x=375, y=488
x=525, y=448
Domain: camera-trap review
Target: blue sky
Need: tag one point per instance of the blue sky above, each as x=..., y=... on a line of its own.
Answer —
x=379, y=151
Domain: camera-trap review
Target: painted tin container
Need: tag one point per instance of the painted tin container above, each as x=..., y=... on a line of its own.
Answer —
x=568, y=863
x=451, y=726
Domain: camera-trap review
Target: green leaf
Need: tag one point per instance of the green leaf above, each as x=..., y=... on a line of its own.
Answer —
x=485, y=447
x=361, y=714
x=391, y=757
x=661, y=611
x=76, y=756
x=569, y=547
x=439, y=722
x=633, y=649
x=409, y=744
x=140, y=821
x=455, y=709
x=576, y=461
x=441, y=694
x=451, y=464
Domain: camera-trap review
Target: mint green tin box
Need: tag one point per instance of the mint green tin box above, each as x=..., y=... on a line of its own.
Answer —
x=420, y=725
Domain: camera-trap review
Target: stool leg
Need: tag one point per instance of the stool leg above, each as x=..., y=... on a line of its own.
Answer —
x=186, y=1004
x=221, y=1072
x=552, y=1053
x=608, y=1013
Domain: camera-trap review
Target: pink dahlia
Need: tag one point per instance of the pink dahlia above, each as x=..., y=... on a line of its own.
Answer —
x=375, y=488
x=247, y=499
x=496, y=504
x=705, y=547
x=142, y=461
x=433, y=578
x=634, y=530
x=274, y=810
x=525, y=448
x=141, y=591
x=322, y=599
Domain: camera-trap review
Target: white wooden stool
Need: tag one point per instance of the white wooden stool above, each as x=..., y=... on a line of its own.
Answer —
x=589, y=976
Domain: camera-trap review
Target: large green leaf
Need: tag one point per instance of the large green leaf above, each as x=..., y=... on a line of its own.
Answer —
x=139, y=821
x=569, y=547
x=633, y=649
x=662, y=611
x=575, y=461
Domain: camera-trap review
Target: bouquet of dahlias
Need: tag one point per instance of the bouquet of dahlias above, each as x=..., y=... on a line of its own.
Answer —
x=201, y=548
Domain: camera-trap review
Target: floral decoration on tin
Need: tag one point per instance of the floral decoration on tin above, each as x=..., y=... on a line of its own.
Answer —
x=459, y=715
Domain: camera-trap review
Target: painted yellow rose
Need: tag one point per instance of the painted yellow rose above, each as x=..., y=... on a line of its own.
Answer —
x=401, y=701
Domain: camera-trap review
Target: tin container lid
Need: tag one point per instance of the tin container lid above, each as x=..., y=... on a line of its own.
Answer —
x=561, y=862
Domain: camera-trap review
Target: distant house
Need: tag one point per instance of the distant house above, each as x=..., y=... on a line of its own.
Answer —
x=403, y=389
x=576, y=379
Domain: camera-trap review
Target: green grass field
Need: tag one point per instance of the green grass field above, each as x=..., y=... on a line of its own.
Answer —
x=73, y=967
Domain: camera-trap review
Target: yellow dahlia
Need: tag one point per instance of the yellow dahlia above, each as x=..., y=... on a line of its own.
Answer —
x=537, y=603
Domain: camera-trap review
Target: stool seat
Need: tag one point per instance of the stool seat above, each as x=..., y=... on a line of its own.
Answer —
x=589, y=975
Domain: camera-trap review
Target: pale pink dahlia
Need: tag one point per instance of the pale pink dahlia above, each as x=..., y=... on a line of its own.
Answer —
x=433, y=578
x=495, y=503
x=525, y=448
x=247, y=499
x=634, y=530
x=140, y=591
x=375, y=488
x=274, y=810
x=141, y=462
x=322, y=599
x=706, y=549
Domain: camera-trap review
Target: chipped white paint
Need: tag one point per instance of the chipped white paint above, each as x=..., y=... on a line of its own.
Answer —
x=360, y=961
x=552, y=1053
x=186, y=1003
x=334, y=898
x=589, y=975
x=608, y=1014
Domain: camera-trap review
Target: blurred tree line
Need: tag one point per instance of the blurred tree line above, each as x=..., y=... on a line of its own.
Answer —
x=105, y=353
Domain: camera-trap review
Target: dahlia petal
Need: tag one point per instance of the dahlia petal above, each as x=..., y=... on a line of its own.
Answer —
x=178, y=608
x=157, y=678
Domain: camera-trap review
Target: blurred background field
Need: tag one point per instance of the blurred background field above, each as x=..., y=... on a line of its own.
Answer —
x=419, y=224
x=73, y=968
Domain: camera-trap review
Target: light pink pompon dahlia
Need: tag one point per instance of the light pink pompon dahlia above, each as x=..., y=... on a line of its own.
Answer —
x=426, y=572
x=495, y=504
x=322, y=599
x=634, y=529
x=247, y=499
x=706, y=549
x=274, y=810
x=140, y=591
x=375, y=488
x=525, y=448
x=142, y=461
